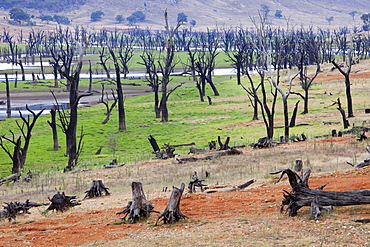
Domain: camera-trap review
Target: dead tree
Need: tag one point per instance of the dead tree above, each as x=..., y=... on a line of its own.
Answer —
x=152, y=78
x=19, y=154
x=172, y=213
x=12, y=209
x=53, y=126
x=234, y=188
x=347, y=81
x=8, y=105
x=302, y=195
x=342, y=113
x=366, y=162
x=120, y=98
x=139, y=208
x=231, y=151
x=308, y=49
x=168, y=150
x=108, y=108
x=154, y=143
x=14, y=177
x=96, y=190
x=223, y=146
x=14, y=52
x=69, y=124
x=103, y=62
x=294, y=115
x=61, y=202
x=166, y=67
x=196, y=183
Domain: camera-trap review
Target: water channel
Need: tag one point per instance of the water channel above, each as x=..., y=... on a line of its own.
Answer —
x=18, y=104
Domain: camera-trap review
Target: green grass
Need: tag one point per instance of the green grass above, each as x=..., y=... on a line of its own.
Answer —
x=189, y=121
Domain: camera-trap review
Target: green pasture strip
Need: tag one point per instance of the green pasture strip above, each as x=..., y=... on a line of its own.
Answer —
x=189, y=121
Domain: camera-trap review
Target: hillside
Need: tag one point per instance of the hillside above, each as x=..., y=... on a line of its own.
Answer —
x=227, y=13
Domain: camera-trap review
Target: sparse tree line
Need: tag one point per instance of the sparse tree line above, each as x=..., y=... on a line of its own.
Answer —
x=262, y=50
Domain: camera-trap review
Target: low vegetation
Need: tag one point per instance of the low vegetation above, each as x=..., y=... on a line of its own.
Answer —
x=189, y=121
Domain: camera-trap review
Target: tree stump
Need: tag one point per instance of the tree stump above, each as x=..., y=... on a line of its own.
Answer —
x=96, y=190
x=172, y=213
x=61, y=202
x=139, y=208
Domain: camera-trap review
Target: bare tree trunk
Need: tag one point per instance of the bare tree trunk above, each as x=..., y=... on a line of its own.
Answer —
x=172, y=213
x=294, y=115
x=8, y=104
x=53, y=126
x=139, y=208
x=121, y=107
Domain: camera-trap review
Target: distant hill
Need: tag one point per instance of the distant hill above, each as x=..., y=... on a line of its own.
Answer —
x=211, y=13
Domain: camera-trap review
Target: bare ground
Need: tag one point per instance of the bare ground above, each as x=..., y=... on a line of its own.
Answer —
x=250, y=217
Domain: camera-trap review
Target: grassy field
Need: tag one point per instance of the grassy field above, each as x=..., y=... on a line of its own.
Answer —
x=249, y=217
x=189, y=121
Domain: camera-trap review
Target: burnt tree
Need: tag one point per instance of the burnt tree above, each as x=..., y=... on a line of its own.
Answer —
x=12, y=209
x=347, y=80
x=61, y=202
x=139, y=208
x=103, y=62
x=97, y=189
x=152, y=78
x=121, y=107
x=8, y=104
x=172, y=213
x=19, y=154
x=167, y=66
x=308, y=54
x=53, y=125
x=110, y=108
x=301, y=195
x=69, y=124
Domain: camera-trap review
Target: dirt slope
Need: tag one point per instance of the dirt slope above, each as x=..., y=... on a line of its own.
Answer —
x=249, y=217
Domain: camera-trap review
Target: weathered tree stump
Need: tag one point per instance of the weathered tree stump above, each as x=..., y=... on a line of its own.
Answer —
x=302, y=195
x=139, y=208
x=61, y=202
x=172, y=213
x=96, y=190
x=334, y=133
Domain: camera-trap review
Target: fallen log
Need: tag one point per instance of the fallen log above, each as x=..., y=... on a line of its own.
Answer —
x=362, y=221
x=194, y=150
x=234, y=188
x=139, y=208
x=302, y=196
x=361, y=164
x=113, y=166
x=231, y=151
x=14, y=177
x=172, y=213
x=96, y=190
x=366, y=162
